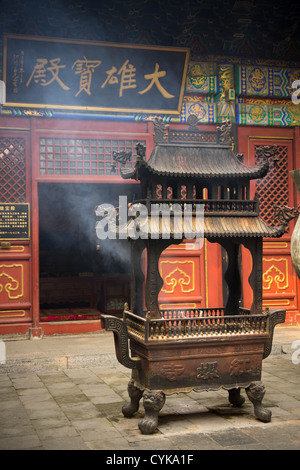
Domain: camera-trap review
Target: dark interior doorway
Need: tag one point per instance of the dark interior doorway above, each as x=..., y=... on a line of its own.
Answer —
x=80, y=276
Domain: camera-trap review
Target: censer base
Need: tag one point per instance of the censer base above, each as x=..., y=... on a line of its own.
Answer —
x=153, y=402
x=197, y=365
x=214, y=353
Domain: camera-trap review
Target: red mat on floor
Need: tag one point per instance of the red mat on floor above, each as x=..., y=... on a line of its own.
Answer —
x=66, y=314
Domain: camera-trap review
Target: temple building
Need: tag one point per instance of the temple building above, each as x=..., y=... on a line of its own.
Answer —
x=89, y=98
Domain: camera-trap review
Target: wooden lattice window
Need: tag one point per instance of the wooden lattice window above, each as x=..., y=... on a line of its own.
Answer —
x=274, y=187
x=87, y=157
x=12, y=169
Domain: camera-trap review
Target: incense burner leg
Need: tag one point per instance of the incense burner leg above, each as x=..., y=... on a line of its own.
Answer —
x=235, y=398
x=135, y=394
x=255, y=393
x=153, y=403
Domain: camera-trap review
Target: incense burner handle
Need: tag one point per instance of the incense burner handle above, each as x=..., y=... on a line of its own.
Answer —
x=119, y=329
x=275, y=316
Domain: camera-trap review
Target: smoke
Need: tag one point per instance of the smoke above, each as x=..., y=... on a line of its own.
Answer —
x=67, y=228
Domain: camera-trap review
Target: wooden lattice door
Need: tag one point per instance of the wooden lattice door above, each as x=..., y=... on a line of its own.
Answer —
x=279, y=280
x=15, y=256
x=12, y=169
x=274, y=188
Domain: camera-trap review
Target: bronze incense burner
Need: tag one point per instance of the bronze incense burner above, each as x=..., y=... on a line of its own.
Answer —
x=180, y=350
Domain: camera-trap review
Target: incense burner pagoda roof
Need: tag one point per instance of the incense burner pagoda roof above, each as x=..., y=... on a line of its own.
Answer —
x=212, y=227
x=193, y=161
x=195, y=154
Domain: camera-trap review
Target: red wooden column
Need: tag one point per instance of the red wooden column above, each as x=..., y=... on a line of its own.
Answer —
x=36, y=330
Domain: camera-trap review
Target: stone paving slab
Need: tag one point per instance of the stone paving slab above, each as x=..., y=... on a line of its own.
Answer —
x=67, y=392
x=80, y=409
